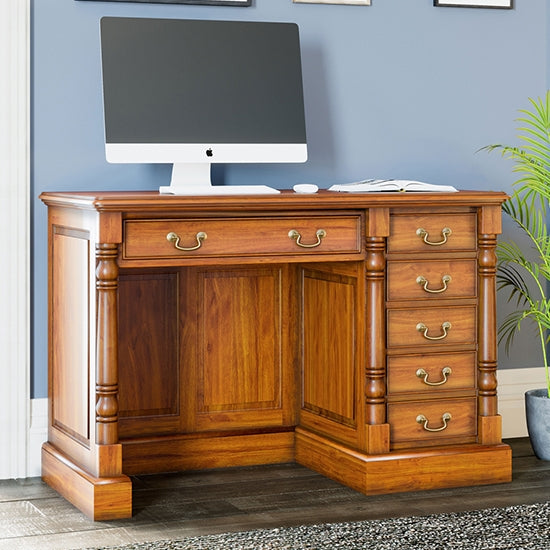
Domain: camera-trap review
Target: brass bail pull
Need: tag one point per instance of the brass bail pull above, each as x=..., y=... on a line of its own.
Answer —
x=445, y=280
x=445, y=327
x=320, y=234
x=424, y=235
x=445, y=373
x=175, y=238
x=445, y=418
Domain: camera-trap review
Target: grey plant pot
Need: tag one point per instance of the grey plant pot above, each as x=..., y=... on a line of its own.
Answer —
x=537, y=410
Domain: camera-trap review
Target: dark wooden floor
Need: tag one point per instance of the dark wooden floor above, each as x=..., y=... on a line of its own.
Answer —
x=32, y=516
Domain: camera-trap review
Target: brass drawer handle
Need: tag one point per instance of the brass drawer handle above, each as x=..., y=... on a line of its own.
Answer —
x=174, y=238
x=445, y=418
x=445, y=371
x=320, y=233
x=446, y=326
x=423, y=234
x=445, y=280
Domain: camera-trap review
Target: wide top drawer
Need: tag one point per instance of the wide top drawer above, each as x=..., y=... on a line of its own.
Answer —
x=432, y=232
x=176, y=238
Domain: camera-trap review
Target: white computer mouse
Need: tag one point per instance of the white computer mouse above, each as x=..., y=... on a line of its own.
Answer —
x=305, y=188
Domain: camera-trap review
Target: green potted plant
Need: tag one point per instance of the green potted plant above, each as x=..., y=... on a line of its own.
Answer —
x=523, y=272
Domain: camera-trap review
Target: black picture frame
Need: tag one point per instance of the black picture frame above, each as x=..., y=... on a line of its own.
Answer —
x=239, y=3
x=491, y=4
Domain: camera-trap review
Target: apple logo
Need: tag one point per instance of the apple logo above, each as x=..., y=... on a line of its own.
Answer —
x=209, y=153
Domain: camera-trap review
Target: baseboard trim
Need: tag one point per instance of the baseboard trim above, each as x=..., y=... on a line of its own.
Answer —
x=38, y=434
x=512, y=385
x=15, y=230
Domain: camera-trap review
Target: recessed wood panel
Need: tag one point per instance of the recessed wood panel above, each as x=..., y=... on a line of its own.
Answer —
x=148, y=327
x=240, y=358
x=238, y=367
x=70, y=337
x=329, y=338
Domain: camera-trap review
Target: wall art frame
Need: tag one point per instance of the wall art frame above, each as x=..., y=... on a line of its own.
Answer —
x=242, y=3
x=494, y=4
x=338, y=2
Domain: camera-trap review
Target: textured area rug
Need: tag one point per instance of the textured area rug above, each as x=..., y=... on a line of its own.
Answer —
x=525, y=527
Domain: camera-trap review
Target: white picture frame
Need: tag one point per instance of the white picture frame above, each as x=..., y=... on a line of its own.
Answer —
x=498, y=4
x=341, y=2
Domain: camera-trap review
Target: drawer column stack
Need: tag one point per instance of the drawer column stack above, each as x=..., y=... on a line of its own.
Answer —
x=432, y=328
x=430, y=333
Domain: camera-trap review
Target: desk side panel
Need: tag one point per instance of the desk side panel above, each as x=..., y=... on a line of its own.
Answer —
x=71, y=306
x=69, y=332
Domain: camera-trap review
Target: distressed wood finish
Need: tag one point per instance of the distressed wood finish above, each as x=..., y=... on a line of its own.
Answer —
x=252, y=349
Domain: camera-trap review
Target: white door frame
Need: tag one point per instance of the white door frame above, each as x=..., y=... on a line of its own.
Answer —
x=14, y=237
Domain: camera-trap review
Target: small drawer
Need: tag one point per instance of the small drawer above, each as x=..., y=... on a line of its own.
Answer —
x=241, y=236
x=432, y=233
x=431, y=373
x=431, y=326
x=432, y=420
x=433, y=279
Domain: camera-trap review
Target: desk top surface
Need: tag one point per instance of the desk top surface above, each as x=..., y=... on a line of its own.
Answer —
x=128, y=201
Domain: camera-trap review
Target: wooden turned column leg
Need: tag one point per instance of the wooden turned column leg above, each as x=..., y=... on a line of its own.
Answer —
x=112, y=489
x=375, y=369
x=489, y=424
x=106, y=368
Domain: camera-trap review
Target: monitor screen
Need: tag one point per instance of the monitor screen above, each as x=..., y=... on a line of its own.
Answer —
x=192, y=93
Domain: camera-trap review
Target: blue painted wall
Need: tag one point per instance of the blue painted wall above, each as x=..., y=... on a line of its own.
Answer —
x=398, y=89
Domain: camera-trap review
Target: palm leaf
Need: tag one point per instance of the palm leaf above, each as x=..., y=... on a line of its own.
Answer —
x=523, y=272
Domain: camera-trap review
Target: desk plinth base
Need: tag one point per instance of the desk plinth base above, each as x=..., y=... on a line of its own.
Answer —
x=404, y=471
x=169, y=454
x=103, y=498
x=109, y=498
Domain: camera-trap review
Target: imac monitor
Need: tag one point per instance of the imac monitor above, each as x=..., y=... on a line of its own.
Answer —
x=192, y=93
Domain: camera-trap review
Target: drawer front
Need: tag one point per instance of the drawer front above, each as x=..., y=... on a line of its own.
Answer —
x=433, y=373
x=432, y=420
x=241, y=236
x=432, y=279
x=412, y=233
x=431, y=326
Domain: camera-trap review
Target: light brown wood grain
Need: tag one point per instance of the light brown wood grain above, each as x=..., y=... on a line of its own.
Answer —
x=252, y=349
